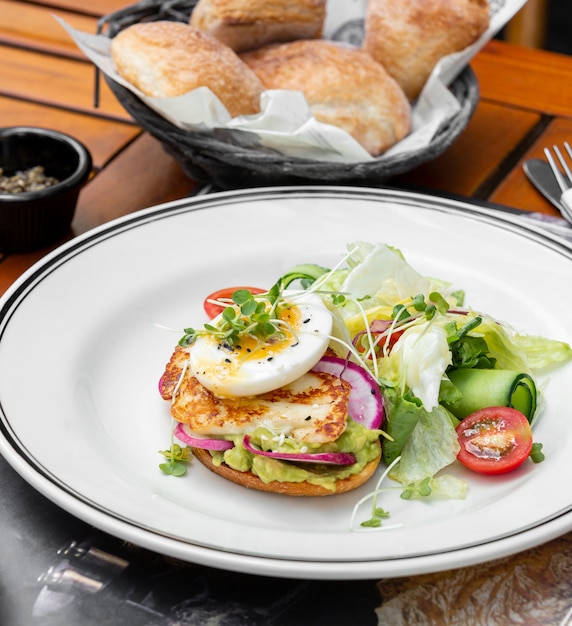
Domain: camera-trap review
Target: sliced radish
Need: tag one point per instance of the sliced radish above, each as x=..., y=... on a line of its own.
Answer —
x=365, y=401
x=333, y=458
x=184, y=434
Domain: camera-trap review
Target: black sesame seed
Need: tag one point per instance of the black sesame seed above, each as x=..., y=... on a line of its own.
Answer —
x=308, y=418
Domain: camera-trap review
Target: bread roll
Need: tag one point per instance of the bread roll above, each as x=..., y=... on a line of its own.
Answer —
x=344, y=87
x=247, y=24
x=251, y=481
x=408, y=38
x=167, y=59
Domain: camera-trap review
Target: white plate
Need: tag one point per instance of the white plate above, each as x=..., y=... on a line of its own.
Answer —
x=83, y=342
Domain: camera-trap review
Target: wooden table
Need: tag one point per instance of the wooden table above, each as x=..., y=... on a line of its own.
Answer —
x=526, y=103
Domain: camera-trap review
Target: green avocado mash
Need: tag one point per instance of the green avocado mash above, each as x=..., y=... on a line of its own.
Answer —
x=357, y=439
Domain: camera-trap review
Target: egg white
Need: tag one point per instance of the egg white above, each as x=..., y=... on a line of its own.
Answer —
x=228, y=372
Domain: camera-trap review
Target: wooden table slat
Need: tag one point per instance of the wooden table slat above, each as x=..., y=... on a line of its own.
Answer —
x=101, y=7
x=516, y=189
x=468, y=170
x=55, y=81
x=104, y=138
x=30, y=26
x=143, y=175
x=534, y=80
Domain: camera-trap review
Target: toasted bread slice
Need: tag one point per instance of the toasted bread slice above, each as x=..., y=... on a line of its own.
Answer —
x=251, y=481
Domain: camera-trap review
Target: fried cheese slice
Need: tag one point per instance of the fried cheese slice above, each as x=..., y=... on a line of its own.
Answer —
x=312, y=409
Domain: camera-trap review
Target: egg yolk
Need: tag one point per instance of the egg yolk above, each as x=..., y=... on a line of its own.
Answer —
x=251, y=365
x=252, y=348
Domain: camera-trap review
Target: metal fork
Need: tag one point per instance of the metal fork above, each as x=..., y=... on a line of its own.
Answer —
x=564, y=180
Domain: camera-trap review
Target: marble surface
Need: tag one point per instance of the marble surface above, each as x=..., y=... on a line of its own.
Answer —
x=57, y=571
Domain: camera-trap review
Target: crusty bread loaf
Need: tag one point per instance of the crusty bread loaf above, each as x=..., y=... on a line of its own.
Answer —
x=344, y=87
x=409, y=38
x=251, y=481
x=246, y=24
x=168, y=59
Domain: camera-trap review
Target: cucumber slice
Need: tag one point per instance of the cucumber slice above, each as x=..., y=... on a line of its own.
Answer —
x=481, y=388
x=305, y=272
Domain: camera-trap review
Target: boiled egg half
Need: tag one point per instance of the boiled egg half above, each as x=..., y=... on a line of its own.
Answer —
x=252, y=366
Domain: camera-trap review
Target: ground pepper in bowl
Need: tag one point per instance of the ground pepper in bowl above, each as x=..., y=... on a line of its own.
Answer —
x=31, y=179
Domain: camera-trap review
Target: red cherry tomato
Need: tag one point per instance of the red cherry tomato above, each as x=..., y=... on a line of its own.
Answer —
x=384, y=345
x=212, y=310
x=388, y=342
x=494, y=440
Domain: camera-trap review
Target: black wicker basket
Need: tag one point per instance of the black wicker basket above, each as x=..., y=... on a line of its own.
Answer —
x=228, y=159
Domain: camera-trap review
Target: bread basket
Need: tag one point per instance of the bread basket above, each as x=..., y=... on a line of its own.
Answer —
x=228, y=160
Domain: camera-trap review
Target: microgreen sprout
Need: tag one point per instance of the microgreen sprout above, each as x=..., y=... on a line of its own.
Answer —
x=440, y=303
x=536, y=454
x=419, y=303
x=400, y=313
x=469, y=326
x=188, y=338
x=435, y=303
x=420, y=488
x=177, y=460
x=254, y=315
x=378, y=514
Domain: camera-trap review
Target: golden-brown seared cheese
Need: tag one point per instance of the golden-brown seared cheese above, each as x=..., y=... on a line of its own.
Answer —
x=409, y=37
x=246, y=24
x=344, y=87
x=167, y=59
x=312, y=409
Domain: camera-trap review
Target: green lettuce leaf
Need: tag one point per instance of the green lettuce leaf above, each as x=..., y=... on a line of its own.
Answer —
x=401, y=418
x=433, y=445
x=421, y=357
x=446, y=486
x=525, y=353
x=376, y=278
x=381, y=272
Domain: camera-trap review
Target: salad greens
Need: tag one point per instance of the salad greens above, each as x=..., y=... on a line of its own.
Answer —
x=177, y=458
x=431, y=355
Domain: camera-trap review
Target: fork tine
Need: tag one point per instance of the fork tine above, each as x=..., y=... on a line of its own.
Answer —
x=557, y=173
x=564, y=164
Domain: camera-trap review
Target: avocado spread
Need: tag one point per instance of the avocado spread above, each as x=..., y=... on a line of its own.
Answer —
x=357, y=439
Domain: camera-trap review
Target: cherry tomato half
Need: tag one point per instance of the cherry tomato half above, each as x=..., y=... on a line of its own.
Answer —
x=494, y=440
x=212, y=310
x=387, y=343
x=383, y=345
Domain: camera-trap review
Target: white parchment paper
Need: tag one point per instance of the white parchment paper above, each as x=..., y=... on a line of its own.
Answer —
x=285, y=122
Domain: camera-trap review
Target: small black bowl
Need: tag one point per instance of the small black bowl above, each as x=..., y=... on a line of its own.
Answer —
x=33, y=219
